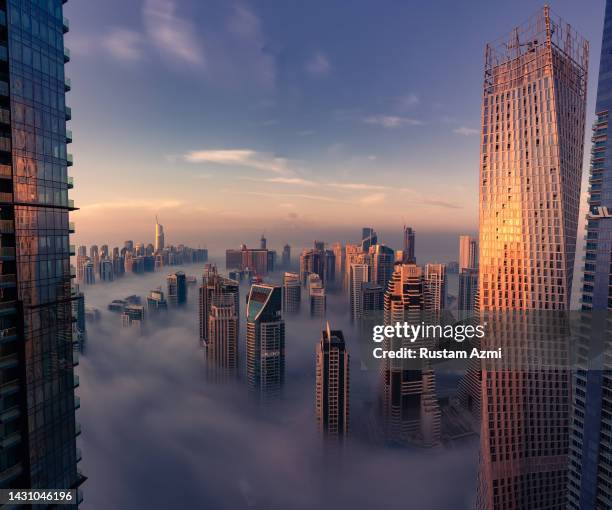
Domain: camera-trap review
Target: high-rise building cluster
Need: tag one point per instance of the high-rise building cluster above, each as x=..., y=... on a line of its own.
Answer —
x=260, y=261
x=546, y=437
x=103, y=264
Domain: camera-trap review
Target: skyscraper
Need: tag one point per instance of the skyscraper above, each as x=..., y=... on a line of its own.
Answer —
x=408, y=246
x=292, y=288
x=133, y=316
x=156, y=302
x=468, y=287
x=318, y=261
x=222, y=338
x=368, y=238
x=372, y=300
x=265, y=349
x=340, y=258
x=37, y=371
x=257, y=260
x=435, y=287
x=286, y=259
x=468, y=252
x=159, y=236
x=177, y=289
x=360, y=274
x=410, y=411
x=332, y=386
x=106, y=270
x=89, y=275
x=591, y=445
x=214, y=285
x=533, y=116
x=317, y=296
x=382, y=260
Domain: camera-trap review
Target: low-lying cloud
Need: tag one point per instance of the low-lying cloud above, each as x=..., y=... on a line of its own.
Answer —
x=158, y=434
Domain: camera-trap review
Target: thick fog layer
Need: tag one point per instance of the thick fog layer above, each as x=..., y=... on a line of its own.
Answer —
x=158, y=434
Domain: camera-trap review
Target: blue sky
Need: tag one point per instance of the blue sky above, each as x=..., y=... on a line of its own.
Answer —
x=304, y=118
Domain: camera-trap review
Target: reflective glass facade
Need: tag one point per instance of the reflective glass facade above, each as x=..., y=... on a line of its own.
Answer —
x=590, y=468
x=533, y=121
x=35, y=251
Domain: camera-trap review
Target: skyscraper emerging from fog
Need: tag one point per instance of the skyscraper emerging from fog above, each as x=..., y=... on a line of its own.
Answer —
x=382, y=260
x=359, y=274
x=177, y=289
x=222, y=338
x=292, y=289
x=38, y=404
x=159, y=236
x=410, y=411
x=265, y=342
x=286, y=257
x=533, y=116
x=317, y=296
x=332, y=386
x=156, y=303
x=318, y=260
x=214, y=285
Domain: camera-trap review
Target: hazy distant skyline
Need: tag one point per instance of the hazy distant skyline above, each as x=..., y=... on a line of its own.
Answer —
x=304, y=119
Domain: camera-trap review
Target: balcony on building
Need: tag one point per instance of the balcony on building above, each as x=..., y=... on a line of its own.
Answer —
x=8, y=335
x=68, y=136
x=66, y=55
x=7, y=281
x=70, y=182
x=68, y=113
x=8, y=308
x=7, y=253
x=67, y=84
x=7, y=227
x=69, y=159
x=66, y=25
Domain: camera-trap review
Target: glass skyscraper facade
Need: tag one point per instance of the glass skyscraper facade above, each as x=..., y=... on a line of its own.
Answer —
x=590, y=467
x=37, y=400
x=533, y=117
x=265, y=342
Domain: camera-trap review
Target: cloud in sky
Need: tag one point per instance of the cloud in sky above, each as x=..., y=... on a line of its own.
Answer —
x=154, y=204
x=391, y=121
x=318, y=64
x=466, y=131
x=304, y=196
x=243, y=52
x=442, y=203
x=408, y=101
x=239, y=157
x=171, y=34
x=123, y=44
x=374, y=198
